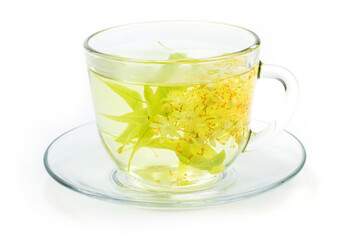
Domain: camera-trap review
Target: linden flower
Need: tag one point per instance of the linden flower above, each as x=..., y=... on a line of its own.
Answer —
x=166, y=126
x=176, y=98
x=206, y=114
x=191, y=122
x=213, y=136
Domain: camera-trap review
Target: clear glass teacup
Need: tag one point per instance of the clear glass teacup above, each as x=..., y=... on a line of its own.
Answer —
x=173, y=99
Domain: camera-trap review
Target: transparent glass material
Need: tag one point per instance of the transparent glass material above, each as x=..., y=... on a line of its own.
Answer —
x=173, y=99
x=78, y=160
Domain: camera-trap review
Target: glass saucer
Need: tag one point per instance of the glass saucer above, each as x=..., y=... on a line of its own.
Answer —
x=77, y=160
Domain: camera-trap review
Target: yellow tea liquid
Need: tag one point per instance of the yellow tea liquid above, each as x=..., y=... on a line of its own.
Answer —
x=174, y=134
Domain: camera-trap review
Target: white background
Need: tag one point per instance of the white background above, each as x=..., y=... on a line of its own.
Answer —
x=44, y=91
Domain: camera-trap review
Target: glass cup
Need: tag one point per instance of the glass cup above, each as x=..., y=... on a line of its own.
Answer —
x=173, y=99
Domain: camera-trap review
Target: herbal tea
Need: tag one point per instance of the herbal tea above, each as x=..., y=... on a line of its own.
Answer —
x=174, y=134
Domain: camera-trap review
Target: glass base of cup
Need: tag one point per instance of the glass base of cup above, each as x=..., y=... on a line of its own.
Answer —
x=126, y=181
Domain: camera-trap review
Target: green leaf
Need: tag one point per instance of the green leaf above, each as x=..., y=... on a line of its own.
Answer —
x=167, y=144
x=129, y=133
x=201, y=157
x=162, y=92
x=133, y=98
x=175, y=55
x=148, y=93
x=164, y=74
x=178, y=56
x=137, y=117
x=144, y=136
x=168, y=69
x=203, y=163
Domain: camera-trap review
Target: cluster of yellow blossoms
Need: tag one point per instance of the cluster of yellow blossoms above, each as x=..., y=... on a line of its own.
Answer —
x=207, y=114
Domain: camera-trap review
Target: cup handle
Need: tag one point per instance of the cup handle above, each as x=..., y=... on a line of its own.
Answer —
x=287, y=110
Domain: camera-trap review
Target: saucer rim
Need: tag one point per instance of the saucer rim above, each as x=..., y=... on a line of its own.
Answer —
x=168, y=204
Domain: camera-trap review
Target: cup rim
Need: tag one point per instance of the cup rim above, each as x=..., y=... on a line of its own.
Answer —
x=254, y=46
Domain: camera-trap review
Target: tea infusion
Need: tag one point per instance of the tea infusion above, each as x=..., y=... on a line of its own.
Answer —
x=181, y=132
